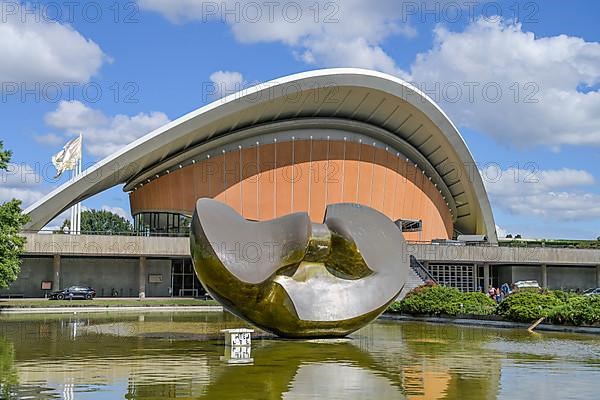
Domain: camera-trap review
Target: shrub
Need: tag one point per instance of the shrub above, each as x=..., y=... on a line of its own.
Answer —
x=527, y=306
x=435, y=300
x=477, y=303
x=563, y=297
x=524, y=306
x=577, y=310
x=430, y=300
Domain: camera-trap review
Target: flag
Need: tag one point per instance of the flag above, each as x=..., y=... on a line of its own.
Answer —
x=68, y=157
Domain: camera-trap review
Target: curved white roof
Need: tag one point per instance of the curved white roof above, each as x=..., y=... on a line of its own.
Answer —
x=348, y=95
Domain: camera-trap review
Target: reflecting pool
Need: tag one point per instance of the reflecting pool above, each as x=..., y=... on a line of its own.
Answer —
x=182, y=355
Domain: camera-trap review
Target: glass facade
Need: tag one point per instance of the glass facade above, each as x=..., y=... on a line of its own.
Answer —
x=184, y=282
x=161, y=224
x=459, y=276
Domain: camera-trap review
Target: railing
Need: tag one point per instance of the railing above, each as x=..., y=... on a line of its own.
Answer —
x=576, y=245
x=453, y=243
x=421, y=270
x=554, y=244
x=110, y=233
x=558, y=244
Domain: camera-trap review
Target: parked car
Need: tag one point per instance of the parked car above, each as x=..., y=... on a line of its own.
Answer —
x=593, y=292
x=527, y=285
x=74, y=292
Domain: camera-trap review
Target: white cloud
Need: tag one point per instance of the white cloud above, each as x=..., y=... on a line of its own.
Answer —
x=552, y=194
x=45, y=51
x=103, y=135
x=227, y=82
x=19, y=175
x=21, y=181
x=117, y=210
x=513, y=182
x=324, y=33
x=548, y=108
x=49, y=139
x=541, y=78
x=74, y=115
x=26, y=195
x=355, y=52
x=57, y=222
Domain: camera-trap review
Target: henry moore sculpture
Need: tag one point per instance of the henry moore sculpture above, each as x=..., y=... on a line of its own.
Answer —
x=295, y=278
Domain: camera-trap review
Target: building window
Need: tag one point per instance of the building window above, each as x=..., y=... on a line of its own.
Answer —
x=162, y=224
x=461, y=277
x=410, y=225
x=184, y=282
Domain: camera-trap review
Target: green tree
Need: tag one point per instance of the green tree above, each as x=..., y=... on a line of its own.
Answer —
x=102, y=222
x=4, y=156
x=11, y=223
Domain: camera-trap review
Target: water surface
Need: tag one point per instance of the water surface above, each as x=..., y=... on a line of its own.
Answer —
x=166, y=356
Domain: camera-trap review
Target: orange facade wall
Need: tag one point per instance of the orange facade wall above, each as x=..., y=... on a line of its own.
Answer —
x=276, y=179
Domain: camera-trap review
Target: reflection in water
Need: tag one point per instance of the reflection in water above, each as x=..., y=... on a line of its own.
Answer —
x=305, y=370
x=8, y=372
x=329, y=380
x=162, y=356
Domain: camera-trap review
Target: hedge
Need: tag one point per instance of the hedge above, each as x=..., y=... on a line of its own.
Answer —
x=436, y=300
x=577, y=310
x=526, y=306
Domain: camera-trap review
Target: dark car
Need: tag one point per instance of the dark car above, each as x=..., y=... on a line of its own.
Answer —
x=74, y=292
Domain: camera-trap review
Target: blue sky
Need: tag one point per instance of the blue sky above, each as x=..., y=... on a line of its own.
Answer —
x=537, y=143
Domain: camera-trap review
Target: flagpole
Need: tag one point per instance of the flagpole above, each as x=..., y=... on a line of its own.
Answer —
x=72, y=226
x=79, y=172
x=79, y=205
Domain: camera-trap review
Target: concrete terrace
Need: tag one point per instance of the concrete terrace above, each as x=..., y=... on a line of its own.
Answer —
x=125, y=265
x=167, y=247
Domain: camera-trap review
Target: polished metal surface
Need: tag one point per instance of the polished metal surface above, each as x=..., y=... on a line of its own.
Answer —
x=299, y=279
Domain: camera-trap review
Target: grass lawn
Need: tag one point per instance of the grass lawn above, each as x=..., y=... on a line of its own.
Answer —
x=43, y=303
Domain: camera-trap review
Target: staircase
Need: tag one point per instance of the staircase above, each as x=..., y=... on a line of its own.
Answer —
x=417, y=276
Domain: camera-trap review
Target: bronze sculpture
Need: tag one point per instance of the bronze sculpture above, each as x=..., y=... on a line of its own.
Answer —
x=297, y=279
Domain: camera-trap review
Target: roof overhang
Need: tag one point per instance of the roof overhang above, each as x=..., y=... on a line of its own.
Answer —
x=371, y=100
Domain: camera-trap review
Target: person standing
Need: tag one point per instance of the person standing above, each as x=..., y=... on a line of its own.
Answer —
x=492, y=292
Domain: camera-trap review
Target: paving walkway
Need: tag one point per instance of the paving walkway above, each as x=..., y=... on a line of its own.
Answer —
x=110, y=304
x=79, y=310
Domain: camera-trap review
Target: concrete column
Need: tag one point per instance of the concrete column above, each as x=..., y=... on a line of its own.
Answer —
x=56, y=272
x=486, y=277
x=544, y=276
x=142, y=278
x=597, y=276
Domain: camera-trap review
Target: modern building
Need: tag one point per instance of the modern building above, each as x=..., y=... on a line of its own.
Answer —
x=295, y=144
x=298, y=144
